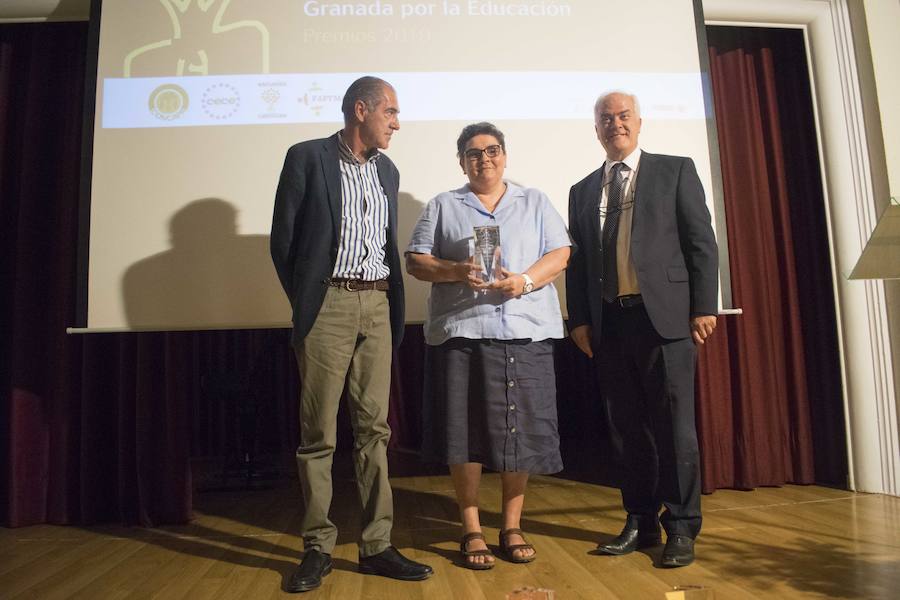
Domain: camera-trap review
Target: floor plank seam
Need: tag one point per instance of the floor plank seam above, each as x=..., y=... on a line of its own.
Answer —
x=795, y=503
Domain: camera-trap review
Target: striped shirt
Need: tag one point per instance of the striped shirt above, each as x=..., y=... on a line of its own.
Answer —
x=364, y=219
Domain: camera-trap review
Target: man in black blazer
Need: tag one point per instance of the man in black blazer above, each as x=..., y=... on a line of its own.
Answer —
x=642, y=290
x=334, y=245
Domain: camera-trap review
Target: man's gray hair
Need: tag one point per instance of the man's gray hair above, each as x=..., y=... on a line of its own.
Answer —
x=368, y=89
x=602, y=98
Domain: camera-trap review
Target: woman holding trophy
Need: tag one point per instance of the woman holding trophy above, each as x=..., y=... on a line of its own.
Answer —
x=491, y=250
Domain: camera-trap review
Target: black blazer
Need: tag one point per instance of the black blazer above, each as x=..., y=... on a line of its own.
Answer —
x=306, y=230
x=672, y=245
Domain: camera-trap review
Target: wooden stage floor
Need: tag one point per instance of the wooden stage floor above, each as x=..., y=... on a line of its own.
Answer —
x=790, y=542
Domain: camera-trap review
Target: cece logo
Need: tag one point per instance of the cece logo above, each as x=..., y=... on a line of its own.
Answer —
x=220, y=101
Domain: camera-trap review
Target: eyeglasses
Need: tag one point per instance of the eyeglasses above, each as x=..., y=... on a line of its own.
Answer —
x=627, y=202
x=475, y=153
x=606, y=211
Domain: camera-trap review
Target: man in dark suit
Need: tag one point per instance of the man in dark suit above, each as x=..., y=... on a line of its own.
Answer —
x=642, y=290
x=334, y=245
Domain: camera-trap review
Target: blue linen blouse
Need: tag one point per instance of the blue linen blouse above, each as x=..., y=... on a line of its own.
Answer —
x=529, y=228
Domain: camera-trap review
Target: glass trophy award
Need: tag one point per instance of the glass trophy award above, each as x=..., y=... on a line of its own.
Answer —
x=487, y=251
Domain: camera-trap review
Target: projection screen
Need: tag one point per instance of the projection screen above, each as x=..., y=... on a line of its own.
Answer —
x=198, y=100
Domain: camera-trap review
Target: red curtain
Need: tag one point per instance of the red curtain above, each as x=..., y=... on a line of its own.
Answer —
x=769, y=382
x=103, y=427
x=41, y=82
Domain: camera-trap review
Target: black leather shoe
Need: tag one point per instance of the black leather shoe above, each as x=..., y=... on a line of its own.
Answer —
x=390, y=563
x=631, y=539
x=679, y=551
x=308, y=576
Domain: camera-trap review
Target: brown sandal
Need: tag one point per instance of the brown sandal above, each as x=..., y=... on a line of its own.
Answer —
x=484, y=566
x=507, y=551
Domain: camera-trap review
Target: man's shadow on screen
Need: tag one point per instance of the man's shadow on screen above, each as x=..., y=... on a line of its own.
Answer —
x=210, y=277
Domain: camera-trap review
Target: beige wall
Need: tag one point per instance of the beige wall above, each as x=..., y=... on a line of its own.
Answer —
x=876, y=23
x=882, y=19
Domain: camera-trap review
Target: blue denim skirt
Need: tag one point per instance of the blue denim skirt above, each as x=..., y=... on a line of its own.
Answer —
x=491, y=402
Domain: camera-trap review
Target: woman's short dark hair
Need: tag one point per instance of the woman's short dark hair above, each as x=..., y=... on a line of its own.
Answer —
x=483, y=128
x=368, y=89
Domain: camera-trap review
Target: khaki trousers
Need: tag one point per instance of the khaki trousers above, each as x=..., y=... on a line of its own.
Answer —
x=350, y=341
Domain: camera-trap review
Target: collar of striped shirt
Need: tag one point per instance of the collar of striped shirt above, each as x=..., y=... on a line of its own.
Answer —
x=347, y=154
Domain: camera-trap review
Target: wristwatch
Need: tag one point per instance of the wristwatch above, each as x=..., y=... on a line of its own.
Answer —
x=529, y=284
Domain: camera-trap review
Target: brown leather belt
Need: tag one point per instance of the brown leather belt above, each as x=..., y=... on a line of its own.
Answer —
x=358, y=285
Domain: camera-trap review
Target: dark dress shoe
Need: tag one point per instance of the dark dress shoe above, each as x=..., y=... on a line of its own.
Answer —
x=390, y=563
x=631, y=539
x=308, y=576
x=679, y=551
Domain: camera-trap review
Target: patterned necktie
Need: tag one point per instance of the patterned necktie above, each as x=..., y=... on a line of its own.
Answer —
x=610, y=232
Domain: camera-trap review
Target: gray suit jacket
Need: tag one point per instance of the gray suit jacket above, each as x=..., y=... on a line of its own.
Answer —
x=306, y=229
x=672, y=244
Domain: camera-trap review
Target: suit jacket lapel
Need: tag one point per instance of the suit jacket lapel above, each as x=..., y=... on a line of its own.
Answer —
x=386, y=178
x=591, y=206
x=643, y=187
x=330, y=156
